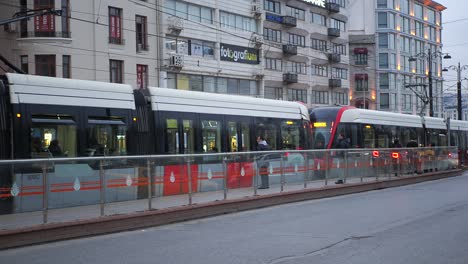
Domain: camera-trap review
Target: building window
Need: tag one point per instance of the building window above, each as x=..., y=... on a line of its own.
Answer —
x=382, y=20
x=297, y=67
x=318, y=44
x=45, y=65
x=384, y=101
x=189, y=11
x=66, y=66
x=360, y=59
x=212, y=84
x=190, y=47
x=381, y=3
x=141, y=33
x=24, y=64
x=341, y=3
x=296, y=40
x=339, y=73
x=297, y=95
x=272, y=6
x=273, y=93
x=335, y=23
x=339, y=48
x=115, y=26
x=341, y=98
x=65, y=18
x=295, y=12
x=383, y=60
x=142, y=76
x=361, y=81
x=319, y=97
x=319, y=19
x=116, y=71
x=44, y=25
x=273, y=64
x=237, y=22
x=319, y=70
x=384, y=81
x=272, y=34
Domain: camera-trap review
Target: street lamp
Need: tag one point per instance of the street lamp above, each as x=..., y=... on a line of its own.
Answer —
x=459, y=69
x=430, y=56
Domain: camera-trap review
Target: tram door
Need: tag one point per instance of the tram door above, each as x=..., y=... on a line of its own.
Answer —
x=238, y=134
x=180, y=134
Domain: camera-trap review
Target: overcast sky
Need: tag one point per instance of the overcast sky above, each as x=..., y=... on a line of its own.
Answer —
x=455, y=40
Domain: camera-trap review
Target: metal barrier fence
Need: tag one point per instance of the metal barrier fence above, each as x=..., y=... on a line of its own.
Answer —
x=50, y=190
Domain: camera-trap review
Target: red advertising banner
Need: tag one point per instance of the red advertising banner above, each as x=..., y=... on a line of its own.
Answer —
x=45, y=23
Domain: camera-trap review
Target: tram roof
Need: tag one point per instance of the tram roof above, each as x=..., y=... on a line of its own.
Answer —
x=164, y=99
x=32, y=89
x=364, y=116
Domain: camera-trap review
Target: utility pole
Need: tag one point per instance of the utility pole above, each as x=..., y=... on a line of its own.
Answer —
x=459, y=69
x=431, y=103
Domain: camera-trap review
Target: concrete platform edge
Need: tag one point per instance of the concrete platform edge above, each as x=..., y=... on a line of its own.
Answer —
x=117, y=223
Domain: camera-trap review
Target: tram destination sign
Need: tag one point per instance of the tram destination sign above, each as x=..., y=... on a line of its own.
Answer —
x=239, y=54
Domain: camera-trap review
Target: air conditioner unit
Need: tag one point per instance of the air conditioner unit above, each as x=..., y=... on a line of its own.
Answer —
x=175, y=24
x=256, y=9
x=176, y=61
x=11, y=27
x=257, y=40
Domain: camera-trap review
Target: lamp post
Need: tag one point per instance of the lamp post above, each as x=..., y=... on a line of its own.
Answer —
x=430, y=56
x=459, y=69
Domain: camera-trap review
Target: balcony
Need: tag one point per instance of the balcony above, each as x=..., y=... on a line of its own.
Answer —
x=334, y=32
x=289, y=21
x=334, y=57
x=290, y=49
x=333, y=7
x=334, y=83
x=53, y=34
x=290, y=77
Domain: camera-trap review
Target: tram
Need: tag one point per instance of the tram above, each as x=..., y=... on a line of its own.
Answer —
x=377, y=129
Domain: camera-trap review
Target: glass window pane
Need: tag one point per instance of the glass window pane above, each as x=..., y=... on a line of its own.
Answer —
x=244, y=87
x=107, y=140
x=189, y=137
x=211, y=136
x=182, y=82
x=233, y=139
x=172, y=137
x=290, y=135
x=222, y=85
x=194, y=13
x=171, y=80
x=196, y=83
x=206, y=14
x=209, y=84
x=181, y=9
x=232, y=86
x=268, y=130
x=53, y=140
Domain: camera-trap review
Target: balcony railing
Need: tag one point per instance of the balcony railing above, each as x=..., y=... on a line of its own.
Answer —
x=117, y=41
x=53, y=34
x=334, y=32
x=142, y=47
x=333, y=7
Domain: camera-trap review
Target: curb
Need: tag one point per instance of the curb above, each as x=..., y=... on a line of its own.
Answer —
x=118, y=223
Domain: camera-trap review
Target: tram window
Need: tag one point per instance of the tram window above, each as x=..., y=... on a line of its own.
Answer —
x=245, y=134
x=290, y=131
x=233, y=138
x=211, y=134
x=172, y=136
x=53, y=136
x=368, y=133
x=268, y=130
x=189, y=136
x=106, y=137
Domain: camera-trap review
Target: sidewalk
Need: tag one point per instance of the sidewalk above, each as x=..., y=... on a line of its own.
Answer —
x=27, y=228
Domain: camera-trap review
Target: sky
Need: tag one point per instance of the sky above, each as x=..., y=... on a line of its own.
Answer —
x=455, y=41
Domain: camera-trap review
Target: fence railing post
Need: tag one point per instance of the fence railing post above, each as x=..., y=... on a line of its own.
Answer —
x=150, y=183
x=45, y=196
x=189, y=176
x=225, y=177
x=306, y=168
x=102, y=185
x=282, y=172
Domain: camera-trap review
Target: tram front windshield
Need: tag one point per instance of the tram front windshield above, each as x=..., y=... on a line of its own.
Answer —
x=322, y=121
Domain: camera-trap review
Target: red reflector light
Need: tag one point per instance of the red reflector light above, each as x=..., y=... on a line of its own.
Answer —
x=375, y=153
x=450, y=155
x=395, y=155
x=286, y=154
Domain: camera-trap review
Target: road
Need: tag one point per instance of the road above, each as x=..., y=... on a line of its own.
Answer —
x=423, y=223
